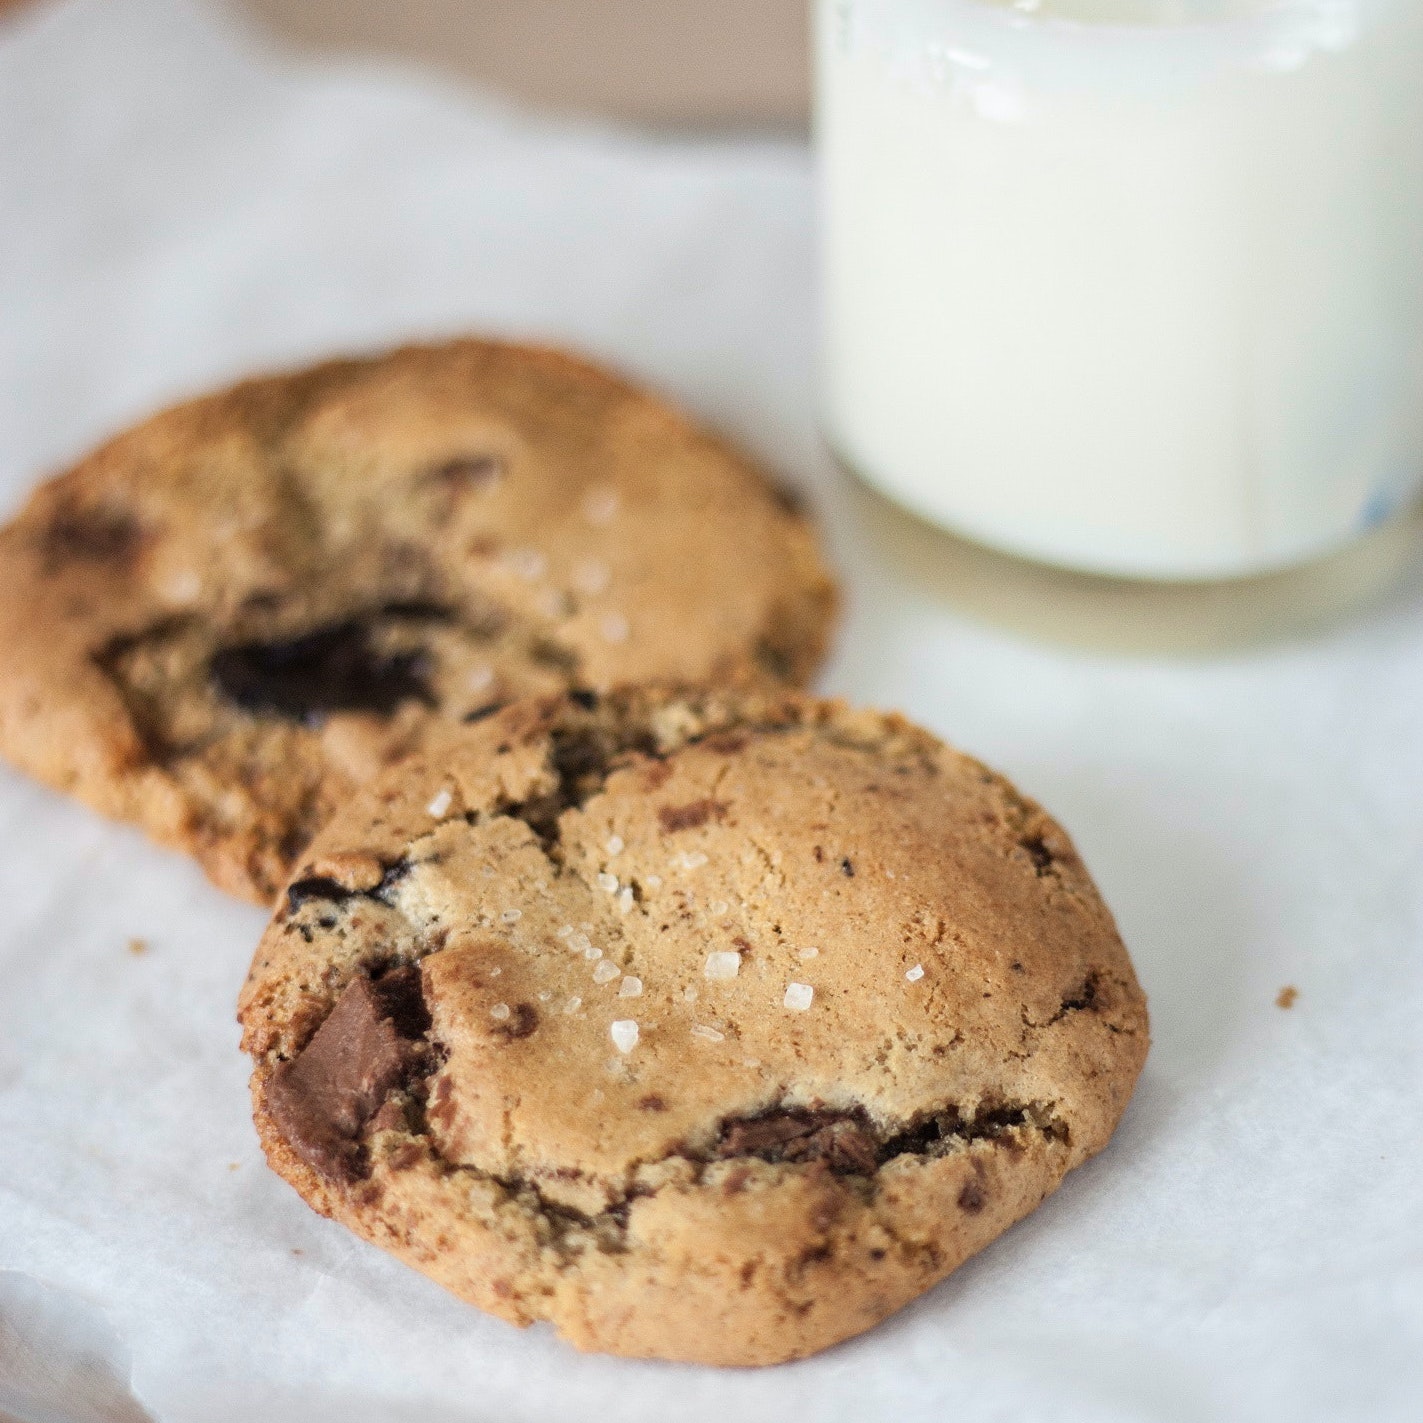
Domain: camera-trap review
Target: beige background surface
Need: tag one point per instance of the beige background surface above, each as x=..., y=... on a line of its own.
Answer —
x=730, y=62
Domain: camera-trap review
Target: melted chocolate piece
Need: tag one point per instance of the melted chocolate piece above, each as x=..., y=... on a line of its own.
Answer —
x=841, y=1141
x=335, y=668
x=327, y=890
x=371, y=1043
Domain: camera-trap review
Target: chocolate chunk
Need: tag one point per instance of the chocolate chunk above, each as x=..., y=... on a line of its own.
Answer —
x=317, y=887
x=762, y=1134
x=335, y=668
x=327, y=890
x=840, y=1141
x=690, y=817
x=370, y=1043
x=845, y=1147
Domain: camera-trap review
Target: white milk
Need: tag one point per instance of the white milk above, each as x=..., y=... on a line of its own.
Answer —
x=1134, y=286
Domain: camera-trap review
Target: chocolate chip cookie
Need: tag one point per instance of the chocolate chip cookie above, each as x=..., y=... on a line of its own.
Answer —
x=709, y=1026
x=221, y=622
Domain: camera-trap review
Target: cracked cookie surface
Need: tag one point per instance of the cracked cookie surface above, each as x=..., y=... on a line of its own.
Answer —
x=712, y=1026
x=222, y=621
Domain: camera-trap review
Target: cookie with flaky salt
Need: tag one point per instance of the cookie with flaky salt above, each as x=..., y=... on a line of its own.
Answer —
x=707, y=1026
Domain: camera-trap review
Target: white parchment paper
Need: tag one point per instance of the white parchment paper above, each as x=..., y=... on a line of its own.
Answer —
x=180, y=205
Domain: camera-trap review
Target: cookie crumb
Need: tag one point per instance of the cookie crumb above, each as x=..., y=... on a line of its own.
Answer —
x=615, y=628
x=138, y=946
x=624, y=1034
x=1287, y=996
x=798, y=996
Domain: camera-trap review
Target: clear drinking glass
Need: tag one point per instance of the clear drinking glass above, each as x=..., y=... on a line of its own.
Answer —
x=1129, y=286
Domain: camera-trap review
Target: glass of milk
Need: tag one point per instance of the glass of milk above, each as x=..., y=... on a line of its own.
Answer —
x=1127, y=286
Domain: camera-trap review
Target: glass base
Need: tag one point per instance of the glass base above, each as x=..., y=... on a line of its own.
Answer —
x=1124, y=615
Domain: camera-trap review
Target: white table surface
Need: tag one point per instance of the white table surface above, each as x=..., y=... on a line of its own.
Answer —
x=179, y=206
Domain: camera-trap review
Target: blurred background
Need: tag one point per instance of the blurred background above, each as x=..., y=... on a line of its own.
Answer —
x=667, y=63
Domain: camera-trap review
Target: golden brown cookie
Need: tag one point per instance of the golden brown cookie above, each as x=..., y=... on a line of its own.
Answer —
x=709, y=1026
x=221, y=622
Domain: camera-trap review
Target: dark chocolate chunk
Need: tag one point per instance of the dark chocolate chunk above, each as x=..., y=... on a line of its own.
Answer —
x=371, y=1043
x=839, y=1140
x=317, y=887
x=335, y=668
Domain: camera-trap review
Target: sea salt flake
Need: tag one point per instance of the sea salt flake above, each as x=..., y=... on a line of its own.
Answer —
x=608, y=882
x=545, y=995
x=512, y=916
x=693, y=860
x=440, y=804
x=614, y=845
x=592, y=952
x=564, y=932
x=915, y=973
x=624, y=1034
x=579, y=942
x=573, y=1004
x=798, y=996
x=653, y=881
x=707, y=1034
x=479, y=678
x=809, y=953
x=719, y=906
x=631, y=987
x=499, y=1012
x=606, y=971
x=625, y=899
x=724, y=963
x=689, y=995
